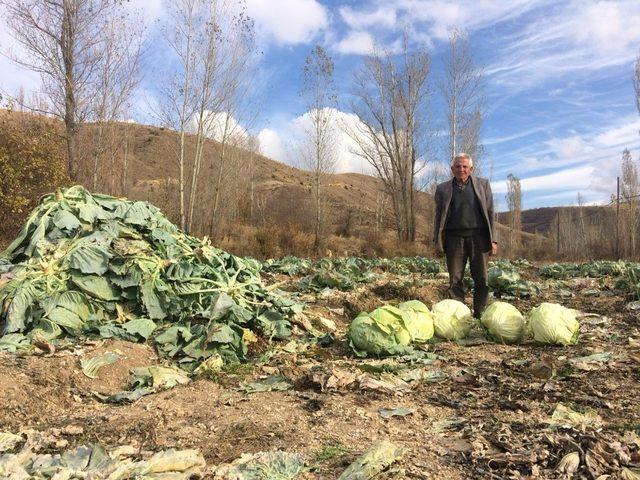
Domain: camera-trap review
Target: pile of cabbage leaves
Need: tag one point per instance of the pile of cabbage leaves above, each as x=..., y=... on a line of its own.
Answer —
x=94, y=265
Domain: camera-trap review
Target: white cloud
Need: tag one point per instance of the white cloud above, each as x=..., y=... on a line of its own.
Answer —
x=290, y=151
x=384, y=16
x=356, y=42
x=271, y=144
x=288, y=22
x=587, y=163
x=220, y=124
x=577, y=37
x=434, y=19
x=576, y=179
x=569, y=147
x=620, y=136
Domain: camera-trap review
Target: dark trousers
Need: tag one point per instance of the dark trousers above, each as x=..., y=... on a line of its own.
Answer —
x=475, y=248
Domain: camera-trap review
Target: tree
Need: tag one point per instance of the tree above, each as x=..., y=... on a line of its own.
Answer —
x=117, y=77
x=212, y=42
x=462, y=89
x=319, y=148
x=222, y=68
x=514, y=203
x=630, y=191
x=176, y=103
x=391, y=95
x=636, y=82
x=63, y=41
x=32, y=163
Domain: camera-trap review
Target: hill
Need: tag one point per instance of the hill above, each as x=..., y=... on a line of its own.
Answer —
x=246, y=202
x=543, y=220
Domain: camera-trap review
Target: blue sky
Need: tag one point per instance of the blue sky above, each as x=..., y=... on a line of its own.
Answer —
x=560, y=103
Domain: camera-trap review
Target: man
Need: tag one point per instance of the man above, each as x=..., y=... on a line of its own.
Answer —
x=464, y=230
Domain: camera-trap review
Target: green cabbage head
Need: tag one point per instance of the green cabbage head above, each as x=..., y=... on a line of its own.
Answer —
x=452, y=319
x=418, y=320
x=503, y=322
x=381, y=333
x=552, y=323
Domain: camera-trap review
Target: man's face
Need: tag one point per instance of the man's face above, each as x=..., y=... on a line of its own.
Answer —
x=461, y=169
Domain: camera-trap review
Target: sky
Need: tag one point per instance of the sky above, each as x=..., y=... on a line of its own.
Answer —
x=560, y=102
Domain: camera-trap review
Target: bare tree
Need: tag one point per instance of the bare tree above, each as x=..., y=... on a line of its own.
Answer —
x=318, y=151
x=463, y=92
x=117, y=77
x=176, y=103
x=514, y=203
x=63, y=41
x=253, y=146
x=630, y=190
x=391, y=94
x=220, y=76
x=636, y=82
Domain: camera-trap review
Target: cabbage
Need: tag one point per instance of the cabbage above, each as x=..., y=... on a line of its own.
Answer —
x=503, y=322
x=554, y=324
x=452, y=319
x=381, y=332
x=418, y=320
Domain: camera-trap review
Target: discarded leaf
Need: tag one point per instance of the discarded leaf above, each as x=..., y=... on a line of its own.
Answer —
x=272, y=383
x=395, y=412
x=91, y=366
x=376, y=460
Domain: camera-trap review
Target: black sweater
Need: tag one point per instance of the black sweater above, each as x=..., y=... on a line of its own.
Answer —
x=465, y=213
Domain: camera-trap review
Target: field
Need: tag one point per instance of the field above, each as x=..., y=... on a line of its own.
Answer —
x=466, y=409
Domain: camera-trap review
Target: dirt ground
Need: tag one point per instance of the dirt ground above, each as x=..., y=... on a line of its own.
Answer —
x=478, y=410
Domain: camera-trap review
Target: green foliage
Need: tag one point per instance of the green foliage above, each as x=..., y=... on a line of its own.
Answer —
x=629, y=282
x=329, y=452
x=597, y=268
x=505, y=280
x=381, y=333
x=90, y=264
x=32, y=163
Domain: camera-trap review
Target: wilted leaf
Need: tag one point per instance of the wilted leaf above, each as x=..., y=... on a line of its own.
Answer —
x=275, y=465
x=98, y=287
x=89, y=258
x=272, y=383
x=564, y=416
x=377, y=459
x=569, y=464
x=8, y=441
x=142, y=327
x=91, y=366
x=395, y=412
x=171, y=461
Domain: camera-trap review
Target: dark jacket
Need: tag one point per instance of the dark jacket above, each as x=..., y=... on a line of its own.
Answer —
x=442, y=197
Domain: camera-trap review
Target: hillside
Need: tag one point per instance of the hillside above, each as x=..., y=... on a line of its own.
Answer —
x=542, y=220
x=140, y=162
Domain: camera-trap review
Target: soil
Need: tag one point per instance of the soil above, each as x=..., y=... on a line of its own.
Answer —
x=489, y=417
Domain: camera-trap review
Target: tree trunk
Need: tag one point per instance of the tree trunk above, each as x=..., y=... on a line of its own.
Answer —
x=67, y=48
x=96, y=154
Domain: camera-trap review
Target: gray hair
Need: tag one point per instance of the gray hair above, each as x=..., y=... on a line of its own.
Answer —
x=462, y=156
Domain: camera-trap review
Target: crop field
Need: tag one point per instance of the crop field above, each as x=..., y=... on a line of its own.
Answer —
x=132, y=350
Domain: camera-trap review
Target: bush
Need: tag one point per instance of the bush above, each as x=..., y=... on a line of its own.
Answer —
x=32, y=162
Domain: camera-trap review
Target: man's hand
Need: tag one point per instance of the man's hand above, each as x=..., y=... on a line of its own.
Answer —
x=494, y=249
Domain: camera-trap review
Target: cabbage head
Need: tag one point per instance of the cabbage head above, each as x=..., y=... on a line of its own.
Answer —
x=452, y=319
x=503, y=322
x=381, y=333
x=418, y=320
x=552, y=323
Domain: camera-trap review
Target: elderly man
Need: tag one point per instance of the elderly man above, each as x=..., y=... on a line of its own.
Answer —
x=464, y=229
